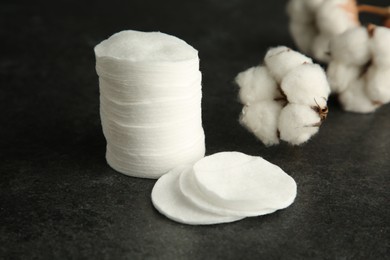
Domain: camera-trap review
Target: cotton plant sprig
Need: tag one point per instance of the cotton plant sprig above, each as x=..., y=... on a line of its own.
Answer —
x=359, y=71
x=313, y=23
x=285, y=98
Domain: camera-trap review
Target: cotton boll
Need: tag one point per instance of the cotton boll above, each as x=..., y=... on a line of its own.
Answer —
x=340, y=75
x=281, y=60
x=351, y=47
x=355, y=99
x=313, y=5
x=320, y=47
x=336, y=16
x=262, y=120
x=380, y=46
x=378, y=84
x=256, y=84
x=297, y=11
x=306, y=85
x=297, y=123
x=303, y=34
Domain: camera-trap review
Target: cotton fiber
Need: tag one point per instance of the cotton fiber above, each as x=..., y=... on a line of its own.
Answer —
x=359, y=71
x=298, y=81
x=313, y=23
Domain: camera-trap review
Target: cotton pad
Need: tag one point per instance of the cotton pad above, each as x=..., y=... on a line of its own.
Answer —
x=150, y=102
x=241, y=182
x=169, y=201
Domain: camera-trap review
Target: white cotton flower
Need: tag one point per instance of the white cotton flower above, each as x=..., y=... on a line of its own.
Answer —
x=320, y=47
x=380, y=46
x=303, y=34
x=360, y=68
x=355, y=99
x=340, y=75
x=306, y=85
x=256, y=84
x=313, y=23
x=378, y=84
x=281, y=60
x=288, y=82
x=297, y=123
x=262, y=120
x=351, y=47
x=336, y=16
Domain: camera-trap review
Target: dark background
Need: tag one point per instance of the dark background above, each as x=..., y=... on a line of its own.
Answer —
x=59, y=198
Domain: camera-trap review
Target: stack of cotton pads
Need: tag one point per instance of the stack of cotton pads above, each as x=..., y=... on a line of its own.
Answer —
x=150, y=102
x=221, y=188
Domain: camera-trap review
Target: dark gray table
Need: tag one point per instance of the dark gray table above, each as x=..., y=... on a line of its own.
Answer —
x=58, y=197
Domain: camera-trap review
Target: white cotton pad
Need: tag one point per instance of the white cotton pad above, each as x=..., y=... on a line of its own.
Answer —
x=191, y=191
x=138, y=46
x=297, y=123
x=169, y=201
x=307, y=85
x=135, y=92
x=256, y=84
x=153, y=167
x=233, y=183
x=152, y=113
x=262, y=120
x=355, y=99
x=340, y=75
x=378, y=84
x=150, y=102
x=281, y=60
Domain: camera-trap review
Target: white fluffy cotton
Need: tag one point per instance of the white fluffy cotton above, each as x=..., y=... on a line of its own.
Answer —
x=340, y=75
x=281, y=60
x=297, y=123
x=256, y=84
x=360, y=68
x=380, y=46
x=307, y=85
x=292, y=79
x=313, y=23
x=336, y=16
x=378, y=84
x=351, y=47
x=262, y=120
x=355, y=98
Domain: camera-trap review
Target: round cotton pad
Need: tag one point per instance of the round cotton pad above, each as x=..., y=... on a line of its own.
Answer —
x=169, y=201
x=191, y=191
x=240, y=182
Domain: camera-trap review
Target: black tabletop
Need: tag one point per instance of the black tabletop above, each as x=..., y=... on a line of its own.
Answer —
x=59, y=198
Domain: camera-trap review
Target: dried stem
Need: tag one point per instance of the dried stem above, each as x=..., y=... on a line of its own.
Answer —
x=377, y=10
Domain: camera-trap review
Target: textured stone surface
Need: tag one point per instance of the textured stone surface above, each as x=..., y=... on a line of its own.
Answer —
x=58, y=197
